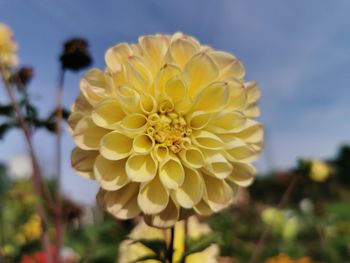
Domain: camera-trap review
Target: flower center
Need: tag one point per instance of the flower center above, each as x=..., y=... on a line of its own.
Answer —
x=169, y=129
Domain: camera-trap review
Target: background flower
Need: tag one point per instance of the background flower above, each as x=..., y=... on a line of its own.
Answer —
x=130, y=251
x=167, y=129
x=8, y=47
x=319, y=171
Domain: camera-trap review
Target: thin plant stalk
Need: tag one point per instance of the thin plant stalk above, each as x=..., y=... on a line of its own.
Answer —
x=170, y=250
x=36, y=176
x=45, y=191
x=58, y=212
x=262, y=239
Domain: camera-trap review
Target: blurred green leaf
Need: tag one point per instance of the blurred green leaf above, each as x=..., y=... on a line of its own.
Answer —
x=200, y=244
x=158, y=246
x=6, y=110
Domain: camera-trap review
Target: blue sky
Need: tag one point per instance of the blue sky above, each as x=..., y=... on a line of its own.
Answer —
x=298, y=51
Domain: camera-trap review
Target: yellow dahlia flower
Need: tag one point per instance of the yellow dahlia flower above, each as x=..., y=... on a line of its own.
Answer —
x=8, y=47
x=319, y=171
x=167, y=129
x=130, y=251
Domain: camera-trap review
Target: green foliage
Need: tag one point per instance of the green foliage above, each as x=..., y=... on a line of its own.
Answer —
x=200, y=244
x=158, y=247
x=97, y=243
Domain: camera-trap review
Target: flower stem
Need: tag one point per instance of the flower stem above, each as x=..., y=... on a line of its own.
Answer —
x=265, y=233
x=58, y=212
x=170, y=250
x=36, y=176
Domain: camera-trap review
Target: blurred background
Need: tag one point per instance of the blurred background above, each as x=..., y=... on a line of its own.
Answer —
x=298, y=51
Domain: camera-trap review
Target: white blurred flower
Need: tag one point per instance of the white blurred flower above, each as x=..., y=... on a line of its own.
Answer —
x=306, y=206
x=20, y=167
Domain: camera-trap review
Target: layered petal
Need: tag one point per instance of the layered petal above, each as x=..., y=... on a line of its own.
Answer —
x=115, y=146
x=153, y=197
x=141, y=168
x=111, y=175
x=83, y=162
x=122, y=203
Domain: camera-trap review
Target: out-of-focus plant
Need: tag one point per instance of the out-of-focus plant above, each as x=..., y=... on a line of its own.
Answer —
x=287, y=259
x=149, y=243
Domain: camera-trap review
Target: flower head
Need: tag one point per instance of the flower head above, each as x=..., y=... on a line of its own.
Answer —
x=8, y=47
x=129, y=251
x=167, y=129
x=319, y=171
x=75, y=54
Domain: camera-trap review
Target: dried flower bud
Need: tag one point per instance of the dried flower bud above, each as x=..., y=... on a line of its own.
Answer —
x=75, y=54
x=25, y=75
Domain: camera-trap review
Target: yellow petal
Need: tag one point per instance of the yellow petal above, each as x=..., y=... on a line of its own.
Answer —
x=108, y=114
x=183, y=106
x=153, y=197
x=238, y=95
x=192, y=157
x=252, y=111
x=207, y=140
x=110, y=174
x=172, y=173
x=83, y=161
x=87, y=135
x=138, y=75
x=212, y=98
x=122, y=203
x=228, y=65
x=81, y=105
x=96, y=85
x=148, y=104
x=218, y=194
x=155, y=47
x=227, y=122
x=217, y=165
x=141, y=168
x=253, y=91
x=167, y=72
x=161, y=152
x=243, y=174
x=73, y=120
x=116, y=56
x=116, y=146
x=239, y=151
x=252, y=132
x=143, y=144
x=167, y=218
x=134, y=123
x=199, y=119
x=199, y=72
x=175, y=89
x=203, y=209
x=191, y=191
x=181, y=51
x=129, y=99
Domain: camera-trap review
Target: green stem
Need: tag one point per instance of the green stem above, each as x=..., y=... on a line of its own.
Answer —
x=170, y=250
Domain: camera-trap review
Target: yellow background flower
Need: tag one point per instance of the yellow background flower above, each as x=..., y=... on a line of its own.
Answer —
x=319, y=171
x=129, y=251
x=286, y=259
x=282, y=222
x=8, y=47
x=167, y=129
